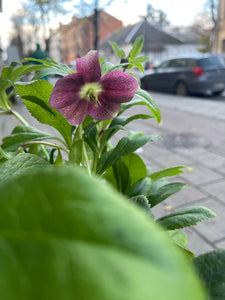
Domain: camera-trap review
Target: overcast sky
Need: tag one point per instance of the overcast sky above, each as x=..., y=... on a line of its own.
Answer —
x=179, y=12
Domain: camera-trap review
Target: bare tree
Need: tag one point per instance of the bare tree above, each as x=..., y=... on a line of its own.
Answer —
x=157, y=16
x=85, y=9
x=44, y=9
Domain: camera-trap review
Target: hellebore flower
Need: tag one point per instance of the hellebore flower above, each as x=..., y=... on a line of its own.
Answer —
x=86, y=92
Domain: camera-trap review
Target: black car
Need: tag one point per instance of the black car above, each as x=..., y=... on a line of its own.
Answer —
x=188, y=75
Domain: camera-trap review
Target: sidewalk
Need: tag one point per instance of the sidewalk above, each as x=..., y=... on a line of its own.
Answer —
x=186, y=141
x=198, y=143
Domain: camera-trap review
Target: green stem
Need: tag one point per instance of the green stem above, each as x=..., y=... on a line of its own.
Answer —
x=45, y=144
x=84, y=149
x=19, y=117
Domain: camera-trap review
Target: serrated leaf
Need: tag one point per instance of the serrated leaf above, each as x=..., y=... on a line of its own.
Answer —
x=124, y=147
x=211, y=269
x=23, y=134
x=21, y=163
x=137, y=47
x=164, y=192
x=141, y=187
x=142, y=201
x=167, y=173
x=186, y=217
x=59, y=225
x=36, y=98
x=119, y=52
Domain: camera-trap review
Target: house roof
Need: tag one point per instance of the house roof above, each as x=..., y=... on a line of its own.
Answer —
x=154, y=38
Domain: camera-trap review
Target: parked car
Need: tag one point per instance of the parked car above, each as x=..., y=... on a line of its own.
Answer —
x=188, y=75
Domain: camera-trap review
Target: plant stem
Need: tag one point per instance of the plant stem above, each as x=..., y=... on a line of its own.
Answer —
x=19, y=117
x=46, y=144
x=84, y=149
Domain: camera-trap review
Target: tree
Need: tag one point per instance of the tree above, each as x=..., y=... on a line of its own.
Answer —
x=157, y=16
x=44, y=9
x=85, y=9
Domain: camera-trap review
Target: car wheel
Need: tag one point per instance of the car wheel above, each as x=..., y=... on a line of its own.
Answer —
x=218, y=93
x=181, y=89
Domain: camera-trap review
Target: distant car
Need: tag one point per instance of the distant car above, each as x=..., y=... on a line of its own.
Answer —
x=188, y=75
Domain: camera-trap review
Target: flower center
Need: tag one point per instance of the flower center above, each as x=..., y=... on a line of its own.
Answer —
x=90, y=92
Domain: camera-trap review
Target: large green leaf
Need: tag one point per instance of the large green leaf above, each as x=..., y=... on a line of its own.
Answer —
x=65, y=235
x=164, y=191
x=124, y=147
x=23, y=134
x=211, y=268
x=167, y=173
x=36, y=98
x=136, y=167
x=143, y=98
x=21, y=163
x=185, y=217
x=136, y=48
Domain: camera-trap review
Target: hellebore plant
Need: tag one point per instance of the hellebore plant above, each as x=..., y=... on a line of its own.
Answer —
x=78, y=213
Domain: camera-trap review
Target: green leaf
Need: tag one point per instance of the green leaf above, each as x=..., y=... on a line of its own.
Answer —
x=124, y=147
x=136, y=167
x=144, y=96
x=211, y=269
x=76, y=152
x=142, y=201
x=167, y=173
x=126, y=120
x=121, y=174
x=21, y=163
x=59, y=159
x=141, y=187
x=119, y=52
x=23, y=134
x=66, y=235
x=36, y=98
x=164, y=192
x=185, y=217
x=137, y=47
x=178, y=237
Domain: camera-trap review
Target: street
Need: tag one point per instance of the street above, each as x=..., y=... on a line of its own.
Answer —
x=193, y=134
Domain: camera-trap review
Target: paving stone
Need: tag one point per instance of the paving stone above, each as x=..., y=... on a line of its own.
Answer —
x=185, y=197
x=200, y=175
x=155, y=151
x=217, y=190
x=214, y=228
x=190, y=152
x=161, y=210
x=173, y=159
x=212, y=160
x=220, y=244
x=196, y=243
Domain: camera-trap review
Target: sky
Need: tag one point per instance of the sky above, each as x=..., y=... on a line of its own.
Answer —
x=179, y=12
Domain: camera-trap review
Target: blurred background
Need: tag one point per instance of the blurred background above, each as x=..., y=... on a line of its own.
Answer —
x=68, y=29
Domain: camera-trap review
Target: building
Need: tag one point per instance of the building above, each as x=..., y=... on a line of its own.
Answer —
x=77, y=37
x=158, y=44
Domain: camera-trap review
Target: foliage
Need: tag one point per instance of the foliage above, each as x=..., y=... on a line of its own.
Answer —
x=76, y=212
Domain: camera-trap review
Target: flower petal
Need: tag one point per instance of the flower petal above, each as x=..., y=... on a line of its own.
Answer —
x=89, y=67
x=66, y=90
x=105, y=110
x=76, y=112
x=118, y=86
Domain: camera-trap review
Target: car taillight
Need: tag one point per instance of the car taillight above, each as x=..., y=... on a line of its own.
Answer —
x=198, y=71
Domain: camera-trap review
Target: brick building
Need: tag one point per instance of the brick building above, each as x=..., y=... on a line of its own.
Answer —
x=77, y=37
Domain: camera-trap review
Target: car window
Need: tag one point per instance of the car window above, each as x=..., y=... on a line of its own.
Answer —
x=178, y=63
x=164, y=65
x=211, y=61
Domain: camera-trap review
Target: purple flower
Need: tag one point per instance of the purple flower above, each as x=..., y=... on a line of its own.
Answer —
x=86, y=92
